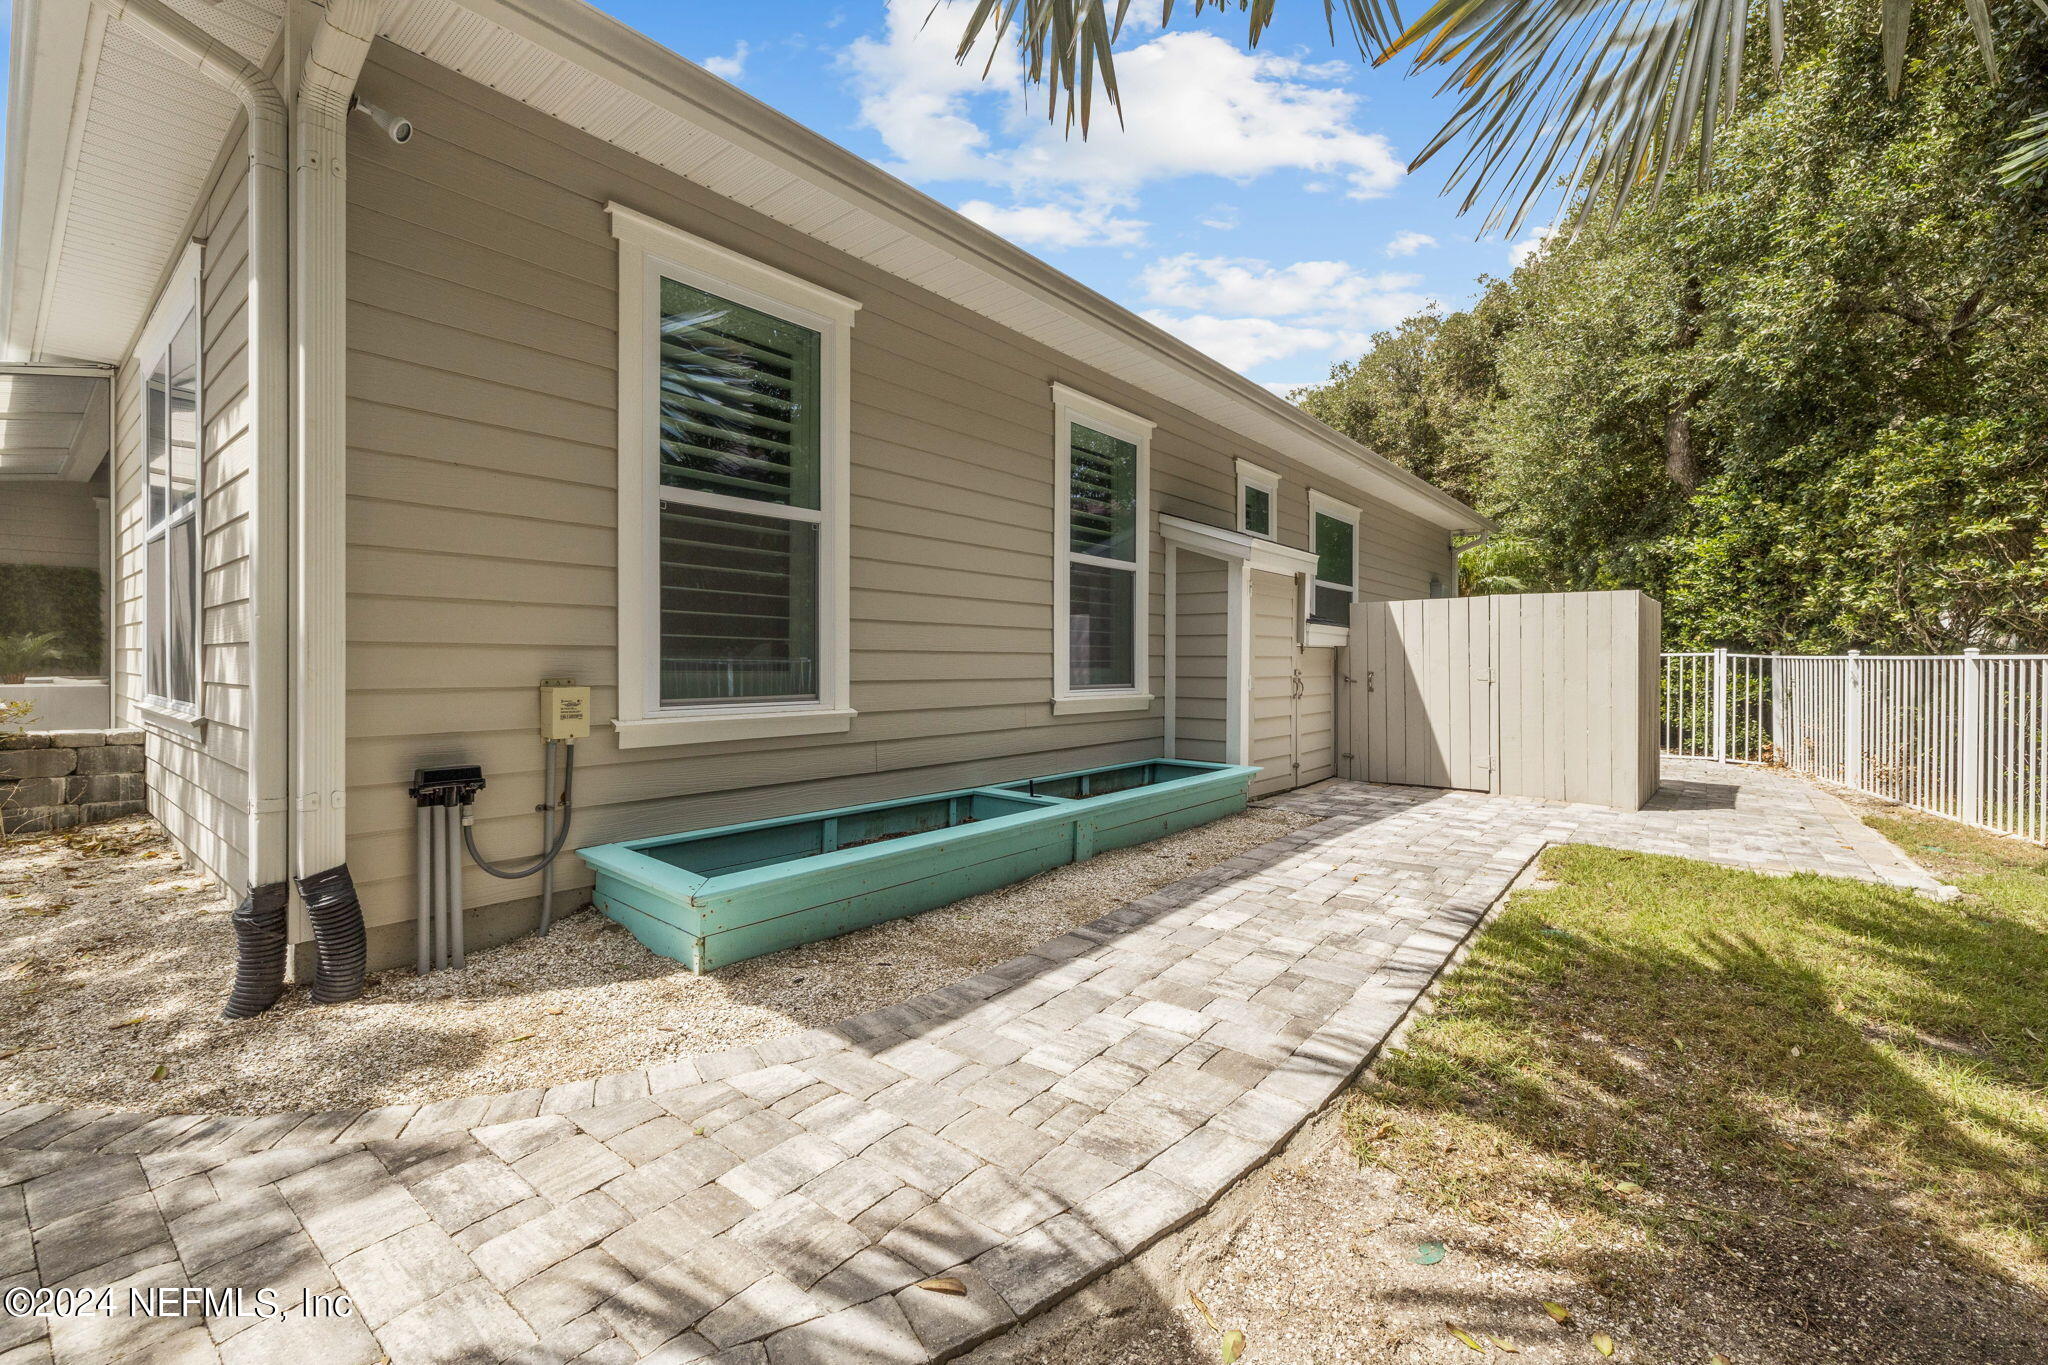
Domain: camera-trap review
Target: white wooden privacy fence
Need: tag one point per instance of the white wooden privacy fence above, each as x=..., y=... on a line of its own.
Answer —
x=1961, y=735
x=1552, y=695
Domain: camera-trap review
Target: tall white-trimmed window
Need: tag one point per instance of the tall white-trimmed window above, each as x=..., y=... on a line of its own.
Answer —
x=733, y=446
x=1258, y=498
x=173, y=465
x=1333, y=536
x=1102, y=555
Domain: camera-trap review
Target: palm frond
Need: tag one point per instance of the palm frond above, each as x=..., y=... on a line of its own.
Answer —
x=1599, y=96
x=1608, y=94
x=2026, y=161
x=1068, y=45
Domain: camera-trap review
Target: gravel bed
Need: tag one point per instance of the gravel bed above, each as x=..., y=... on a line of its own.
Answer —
x=117, y=960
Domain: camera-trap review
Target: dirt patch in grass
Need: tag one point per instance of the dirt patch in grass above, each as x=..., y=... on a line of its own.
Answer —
x=1317, y=1260
x=115, y=961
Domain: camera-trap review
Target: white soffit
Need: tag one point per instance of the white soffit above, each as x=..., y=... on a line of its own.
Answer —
x=145, y=131
x=565, y=60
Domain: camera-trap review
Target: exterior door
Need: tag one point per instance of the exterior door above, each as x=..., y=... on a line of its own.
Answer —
x=1426, y=704
x=1292, y=732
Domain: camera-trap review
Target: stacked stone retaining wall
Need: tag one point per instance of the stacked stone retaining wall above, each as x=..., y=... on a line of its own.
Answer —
x=57, y=779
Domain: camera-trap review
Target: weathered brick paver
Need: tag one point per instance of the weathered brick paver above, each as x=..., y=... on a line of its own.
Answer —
x=1021, y=1131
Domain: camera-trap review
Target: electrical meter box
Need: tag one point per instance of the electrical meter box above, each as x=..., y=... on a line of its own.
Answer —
x=564, y=710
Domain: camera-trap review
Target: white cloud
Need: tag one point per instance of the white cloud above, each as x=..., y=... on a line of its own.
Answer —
x=1221, y=218
x=1286, y=388
x=1247, y=312
x=1525, y=250
x=1408, y=243
x=1247, y=343
x=728, y=68
x=1336, y=293
x=1194, y=104
x=1084, y=223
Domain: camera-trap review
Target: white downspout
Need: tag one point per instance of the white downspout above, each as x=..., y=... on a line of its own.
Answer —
x=340, y=43
x=270, y=426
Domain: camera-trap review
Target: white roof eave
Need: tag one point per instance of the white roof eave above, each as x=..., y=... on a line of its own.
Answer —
x=46, y=63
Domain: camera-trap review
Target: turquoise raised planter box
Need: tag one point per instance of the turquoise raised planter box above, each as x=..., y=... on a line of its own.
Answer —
x=713, y=897
x=1132, y=803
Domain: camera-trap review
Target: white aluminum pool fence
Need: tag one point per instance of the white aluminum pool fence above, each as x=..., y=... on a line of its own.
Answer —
x=1961, y=735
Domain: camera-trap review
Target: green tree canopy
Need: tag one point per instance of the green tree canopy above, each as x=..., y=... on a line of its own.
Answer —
x=1806, y=403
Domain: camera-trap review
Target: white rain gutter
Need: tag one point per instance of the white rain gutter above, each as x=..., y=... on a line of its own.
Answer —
x=334, y=61
x=270, y=394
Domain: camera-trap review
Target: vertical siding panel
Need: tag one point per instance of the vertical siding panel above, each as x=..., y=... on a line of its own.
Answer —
x=1201, y=646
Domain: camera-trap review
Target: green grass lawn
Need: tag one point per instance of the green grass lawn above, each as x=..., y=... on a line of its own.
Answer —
x=1764, y=1116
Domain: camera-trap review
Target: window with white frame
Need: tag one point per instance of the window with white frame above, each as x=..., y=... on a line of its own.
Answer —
x=173, y=464
x=1102, y=552
x=733, y=455
x=1258, y=492
x=1334, y=538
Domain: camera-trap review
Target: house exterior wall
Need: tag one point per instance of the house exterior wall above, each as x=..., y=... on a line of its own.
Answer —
x=482, y=505
x=197, y=781
x=54, y=522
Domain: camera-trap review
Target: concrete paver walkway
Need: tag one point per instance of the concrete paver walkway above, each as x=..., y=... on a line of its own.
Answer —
x=777, y=1204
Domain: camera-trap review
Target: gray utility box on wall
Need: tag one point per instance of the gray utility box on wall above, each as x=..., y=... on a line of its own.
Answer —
x=1551, y=695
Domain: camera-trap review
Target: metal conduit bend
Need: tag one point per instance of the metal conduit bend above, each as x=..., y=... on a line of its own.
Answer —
x=554, y=849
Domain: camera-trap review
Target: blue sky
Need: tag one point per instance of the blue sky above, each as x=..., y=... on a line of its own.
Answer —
x=1254, y=203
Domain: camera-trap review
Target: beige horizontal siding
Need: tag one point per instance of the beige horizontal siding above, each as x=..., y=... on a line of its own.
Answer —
x=482, y=279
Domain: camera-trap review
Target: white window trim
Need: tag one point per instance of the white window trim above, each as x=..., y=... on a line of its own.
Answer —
x=182, y=291
x=1071, y=406
x=1315, y=634
x=648, y=250
x=1251, y=475
x=174, y=721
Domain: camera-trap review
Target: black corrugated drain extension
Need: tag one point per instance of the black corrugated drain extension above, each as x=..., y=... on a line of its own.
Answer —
x=259, y=951
x=339, y=944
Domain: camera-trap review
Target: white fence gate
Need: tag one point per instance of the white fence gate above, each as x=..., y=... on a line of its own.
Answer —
x=1961, y=735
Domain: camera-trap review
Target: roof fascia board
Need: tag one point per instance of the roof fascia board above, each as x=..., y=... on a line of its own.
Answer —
x=46, y=71
x=612, y=50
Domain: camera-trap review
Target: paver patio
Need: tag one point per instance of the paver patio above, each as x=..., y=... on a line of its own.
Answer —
x=1022, y=1131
